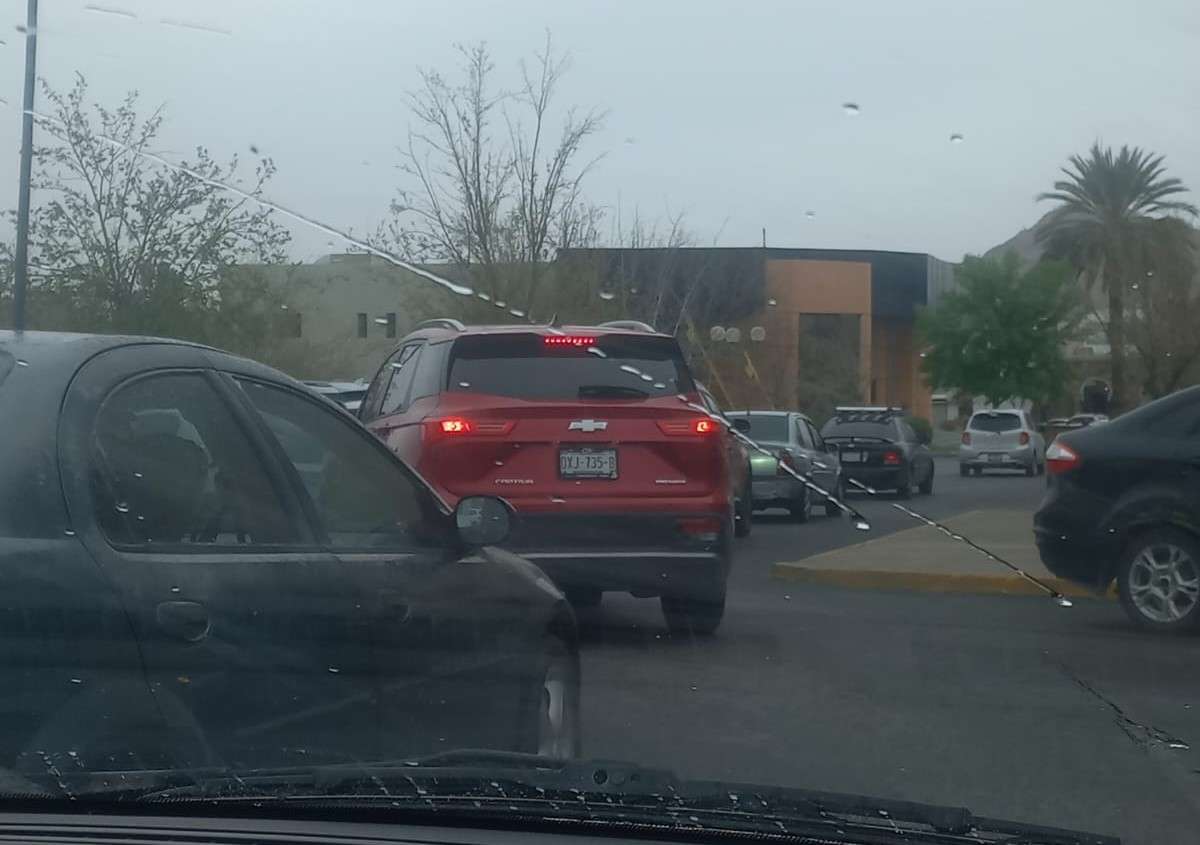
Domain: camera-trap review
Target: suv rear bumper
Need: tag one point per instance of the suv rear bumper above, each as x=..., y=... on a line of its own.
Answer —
x=645, y=555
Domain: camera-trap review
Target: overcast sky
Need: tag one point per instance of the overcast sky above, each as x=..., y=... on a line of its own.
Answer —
x=729, y=112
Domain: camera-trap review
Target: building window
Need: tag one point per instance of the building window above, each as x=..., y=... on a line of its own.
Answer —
x=391, y=323
x=362, y=324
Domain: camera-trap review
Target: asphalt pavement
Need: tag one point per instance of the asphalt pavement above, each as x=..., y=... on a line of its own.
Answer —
x=1010, y=705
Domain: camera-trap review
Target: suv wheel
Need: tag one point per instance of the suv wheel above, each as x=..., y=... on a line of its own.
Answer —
x=926, y=486
x=1159, y=580
x=694, y=616
x=743, y=520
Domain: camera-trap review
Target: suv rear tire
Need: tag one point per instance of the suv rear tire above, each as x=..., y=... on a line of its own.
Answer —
x=926, y=486
x=693, y=616
x=1158, y=580
x=801, y=508
x=743, y=520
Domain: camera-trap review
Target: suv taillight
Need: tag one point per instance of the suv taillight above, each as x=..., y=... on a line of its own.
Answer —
x=695, y=425
x=1023, y=439
x=966, y=438
x=1062, y=458
x=460, y=427
x=891, y=458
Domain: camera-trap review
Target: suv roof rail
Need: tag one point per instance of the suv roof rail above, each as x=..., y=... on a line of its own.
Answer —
x=441, y=323
x=868, y=409
x=635, y=325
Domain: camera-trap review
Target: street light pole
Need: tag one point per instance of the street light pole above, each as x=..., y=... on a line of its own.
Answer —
x=21, y=260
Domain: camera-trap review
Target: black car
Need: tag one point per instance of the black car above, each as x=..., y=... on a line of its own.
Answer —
x=1123, y=503
x=879, y=449
x=204, y=564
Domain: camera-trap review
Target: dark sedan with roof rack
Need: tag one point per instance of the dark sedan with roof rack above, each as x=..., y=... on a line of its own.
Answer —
x=878, y=449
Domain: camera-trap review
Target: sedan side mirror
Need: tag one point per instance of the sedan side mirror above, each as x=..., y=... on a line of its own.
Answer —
x=482, y=521
x=741, y=424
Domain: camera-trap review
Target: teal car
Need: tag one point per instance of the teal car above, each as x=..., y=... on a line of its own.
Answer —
x=795, y=443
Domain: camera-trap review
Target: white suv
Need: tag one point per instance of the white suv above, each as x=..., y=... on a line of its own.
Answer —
x=1001, y=439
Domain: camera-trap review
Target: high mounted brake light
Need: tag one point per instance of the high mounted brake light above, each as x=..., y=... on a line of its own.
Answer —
x=571, y=340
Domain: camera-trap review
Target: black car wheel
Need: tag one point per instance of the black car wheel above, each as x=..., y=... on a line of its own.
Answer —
x=926, y=486
x=1159, y=580
x=550, y=709
x=801, y=508
x=694, y=615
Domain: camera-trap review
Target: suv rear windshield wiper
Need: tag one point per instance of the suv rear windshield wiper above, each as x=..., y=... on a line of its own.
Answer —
x=484, y=787
x=610, y=391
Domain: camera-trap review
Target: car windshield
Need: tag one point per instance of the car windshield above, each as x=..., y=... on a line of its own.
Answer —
x=995, y=422
x=642, y=420
x=529, y=366
x=772, y=428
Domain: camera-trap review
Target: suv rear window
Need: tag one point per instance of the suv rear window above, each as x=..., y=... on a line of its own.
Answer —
x=525, y=366
x=995, y=422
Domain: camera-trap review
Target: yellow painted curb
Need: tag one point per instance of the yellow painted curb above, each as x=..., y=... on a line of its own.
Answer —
x=929, y=582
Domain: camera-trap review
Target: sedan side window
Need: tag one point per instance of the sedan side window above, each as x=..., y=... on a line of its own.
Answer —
x=802, y=435
x=818, y=442
x=362, y=497
x=171, y=465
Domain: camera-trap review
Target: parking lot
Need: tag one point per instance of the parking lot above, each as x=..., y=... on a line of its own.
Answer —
x=906, y=693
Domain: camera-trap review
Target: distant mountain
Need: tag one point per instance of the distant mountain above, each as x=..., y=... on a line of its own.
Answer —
x=1023, y=243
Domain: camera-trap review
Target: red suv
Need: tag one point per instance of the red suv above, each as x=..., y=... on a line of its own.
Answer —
x=595, y=435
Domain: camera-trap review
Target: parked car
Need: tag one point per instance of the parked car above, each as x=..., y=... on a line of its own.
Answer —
x=1001, y=439
x=1123, y=503
x=877, y=448
x=796, y=443
x=348, y=394
x=203, y=564
x=594, y=434
x=739, y=465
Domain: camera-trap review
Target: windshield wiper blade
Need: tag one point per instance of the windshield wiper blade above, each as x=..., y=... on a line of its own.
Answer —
x=483, y=784
x=610, y=391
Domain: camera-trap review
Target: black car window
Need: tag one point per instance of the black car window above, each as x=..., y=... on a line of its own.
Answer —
x=881, y=429
x=770, y=428
x=171, y=465
x=395, y=398
x=362, y=497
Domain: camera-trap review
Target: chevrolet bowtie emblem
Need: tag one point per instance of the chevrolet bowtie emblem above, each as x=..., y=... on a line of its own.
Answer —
x=588, y=426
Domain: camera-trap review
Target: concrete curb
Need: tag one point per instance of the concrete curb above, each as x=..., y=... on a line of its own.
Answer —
x=928, y=582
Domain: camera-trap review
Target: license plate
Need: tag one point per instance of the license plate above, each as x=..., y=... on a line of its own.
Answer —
x=587, y=463
x=995, y=458
x=852, y=457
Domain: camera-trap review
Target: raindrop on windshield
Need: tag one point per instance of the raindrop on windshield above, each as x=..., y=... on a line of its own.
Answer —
x=175, y=589
x=647, y=377
x=254, y=149
x=772, y=303
x=122, y=507
x=956, y=138
x=333, y=670
x=21, y=362
x=108, y=10
x=500, y=303
x=77, y=680
x=484, y=296
x=516, y=312
x=1181, y=746
x=26, y=30
x=658, y=385
x=862, y=525
x=381, y=321
x=464, y=384
x=283, y=307
x=717, y=333
x=607, y=295
x=810, y=214
x=632, y=370
x=595, y=350
x=68, y=532
x=1063, y=601
x=851, y=109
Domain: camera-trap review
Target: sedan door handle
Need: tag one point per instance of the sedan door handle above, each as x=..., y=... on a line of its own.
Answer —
x=184, y=620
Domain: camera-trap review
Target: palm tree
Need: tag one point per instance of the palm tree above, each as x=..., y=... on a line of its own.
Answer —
x=1102, y=224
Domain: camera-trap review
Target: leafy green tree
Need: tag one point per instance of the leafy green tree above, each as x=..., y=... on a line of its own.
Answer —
x=1001, y=333
x=121, y=243
x=1107, y=203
